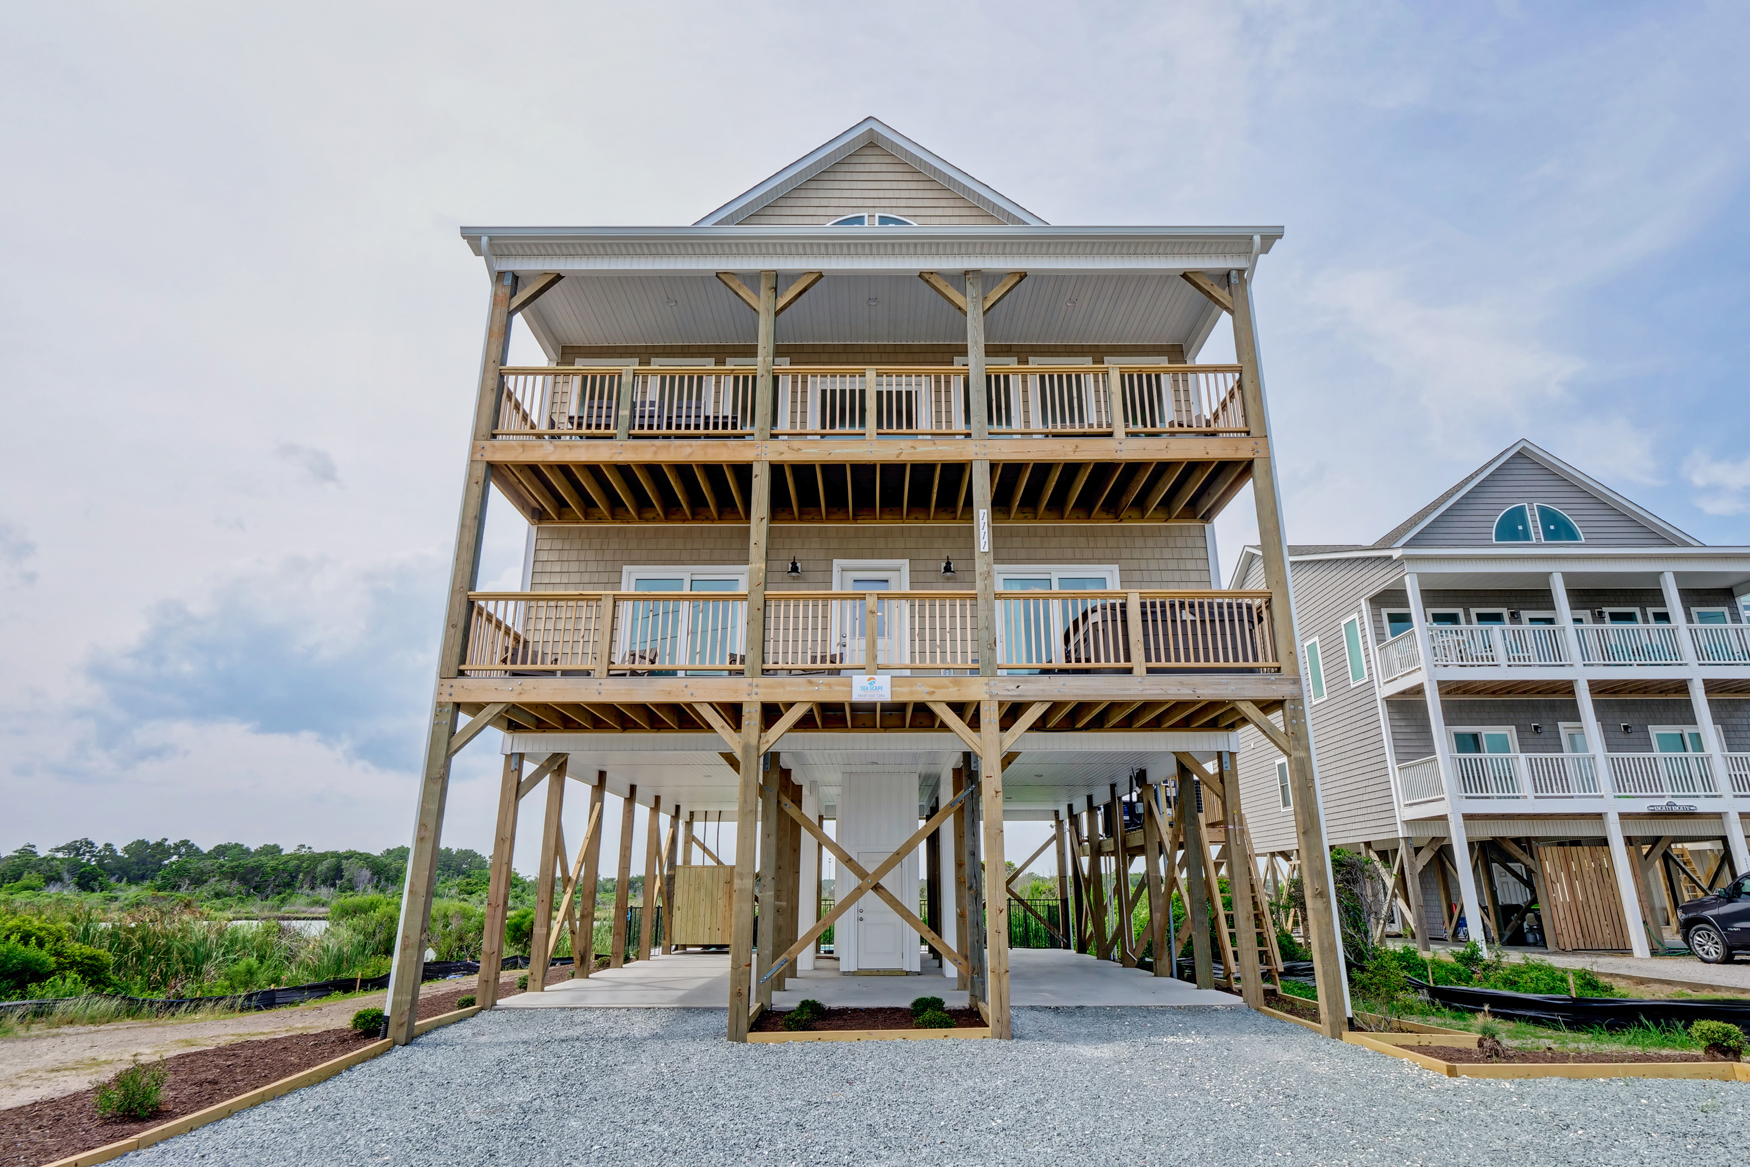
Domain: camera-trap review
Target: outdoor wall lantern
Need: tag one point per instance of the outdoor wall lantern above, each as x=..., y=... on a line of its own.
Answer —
x=795, y=571
x=947, y=566
x=1536, y=728
x=1627, y=728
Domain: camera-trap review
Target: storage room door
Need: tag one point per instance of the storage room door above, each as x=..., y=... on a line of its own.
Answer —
x=879, y=931
x=1584, y=912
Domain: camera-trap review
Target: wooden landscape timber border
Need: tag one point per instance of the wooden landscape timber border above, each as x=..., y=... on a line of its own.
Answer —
x=1403, y=1047
x=225, y=1109
x=970, y=1031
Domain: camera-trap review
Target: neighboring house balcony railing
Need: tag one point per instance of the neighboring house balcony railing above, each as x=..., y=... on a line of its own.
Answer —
x=703, y=633
x=1547, y=646
x=1552, y=776
x=915, y=402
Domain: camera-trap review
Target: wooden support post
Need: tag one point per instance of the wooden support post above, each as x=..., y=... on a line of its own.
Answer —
x=1240, y=877
x=1097, y=885
x=672, y=852
x=590, y=877
x=687, y=840
x=766, y=885
x=623, y=879
x=1316, y=876
x=1151, y=874
x=652, y=877
x=997, y=904
x=498, y=883
x=961, y=982
x=975, y=891
x=1078, y=884
x=747, y=811
x=420, y=880
x=1125, y=931
x=539, y=945
x=1190, y=825
x=1063, y=888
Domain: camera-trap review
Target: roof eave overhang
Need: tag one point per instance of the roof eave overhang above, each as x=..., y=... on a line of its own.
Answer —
x=606, y=250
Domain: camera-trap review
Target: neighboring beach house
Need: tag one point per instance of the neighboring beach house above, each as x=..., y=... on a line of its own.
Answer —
x=1532, y=700
x=868, y=498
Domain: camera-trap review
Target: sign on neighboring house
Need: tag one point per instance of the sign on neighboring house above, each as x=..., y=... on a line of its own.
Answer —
x=1669, y=807
x=875, y=688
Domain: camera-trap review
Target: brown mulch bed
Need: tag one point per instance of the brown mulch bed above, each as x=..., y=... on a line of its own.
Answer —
x=1556, y=1057
x=897, y=1017
x=54, y=1128
x=1293, y=1006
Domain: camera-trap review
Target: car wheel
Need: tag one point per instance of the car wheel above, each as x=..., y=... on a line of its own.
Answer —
x=1708, y=945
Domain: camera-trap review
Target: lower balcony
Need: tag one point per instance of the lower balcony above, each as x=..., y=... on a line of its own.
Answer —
x=1547, y=646
x=1487, y=778
x=655, y=634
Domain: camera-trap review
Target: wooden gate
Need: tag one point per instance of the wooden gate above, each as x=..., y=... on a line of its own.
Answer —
x=1585, y=909
x=702, y=905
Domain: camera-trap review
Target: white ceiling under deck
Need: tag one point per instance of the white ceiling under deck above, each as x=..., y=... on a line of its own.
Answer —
x=869, y=308
x=1053, y=768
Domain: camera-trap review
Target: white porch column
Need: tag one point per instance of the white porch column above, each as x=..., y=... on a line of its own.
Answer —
x=1704, y=720
x=1619, y=857
x=1467, y=884
x=808, y=905
x=945, y=845
x=1625, y=885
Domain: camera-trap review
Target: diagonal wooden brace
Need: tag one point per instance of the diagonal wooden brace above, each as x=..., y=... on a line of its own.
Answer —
x=960, y=728
x=1042, y=922
x=795, y=713
x=533, y=780
x=1265, y=726
x=595, y=822
x=871, y=881
x=477, y=724
x=1022, y=723
x=714, y=719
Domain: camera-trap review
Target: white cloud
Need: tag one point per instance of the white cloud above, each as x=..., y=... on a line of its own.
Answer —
x=1724, y=484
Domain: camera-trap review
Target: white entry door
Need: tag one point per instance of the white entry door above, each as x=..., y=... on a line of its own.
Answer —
x=879, y=931
x=851, y=615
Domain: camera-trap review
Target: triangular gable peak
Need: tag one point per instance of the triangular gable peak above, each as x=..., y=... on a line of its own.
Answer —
x=1465, y=515
x=869, y=167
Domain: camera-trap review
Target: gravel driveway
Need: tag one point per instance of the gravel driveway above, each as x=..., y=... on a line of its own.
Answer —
x=1168, y=1085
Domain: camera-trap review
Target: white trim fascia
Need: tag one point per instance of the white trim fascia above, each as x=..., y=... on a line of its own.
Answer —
x=869, y=132
x=536, y=323
x=706, y=250
x=1510, y=553
x=1244, y=564
x=1127, y=741
x=1214, y=552
x=1201, y=332
x=1557, y=467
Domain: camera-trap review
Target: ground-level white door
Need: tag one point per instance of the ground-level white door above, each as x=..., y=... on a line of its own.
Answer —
x=880, y=935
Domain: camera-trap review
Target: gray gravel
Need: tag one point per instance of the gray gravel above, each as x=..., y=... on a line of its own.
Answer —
x=1171, y=1085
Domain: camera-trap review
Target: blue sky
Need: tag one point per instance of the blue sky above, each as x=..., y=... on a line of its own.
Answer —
x=238, y=330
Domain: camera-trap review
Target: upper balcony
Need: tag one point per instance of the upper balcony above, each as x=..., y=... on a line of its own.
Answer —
x=921, y=402
x=1504, y=651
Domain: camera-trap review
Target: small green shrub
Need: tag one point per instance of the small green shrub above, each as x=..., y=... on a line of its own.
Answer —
x=21, y=965
x=1721, y=1039
x=926, y=1004
x=806, y=1013
x=137, y=1092
x=522, y=982
x=369, y=1020
x=933, y=1019
x=59, y=987
x=465, y=1001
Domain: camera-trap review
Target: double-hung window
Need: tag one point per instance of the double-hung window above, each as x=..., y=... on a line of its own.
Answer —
x=1283, y=794
x=1315, y=670
x=1353, y=650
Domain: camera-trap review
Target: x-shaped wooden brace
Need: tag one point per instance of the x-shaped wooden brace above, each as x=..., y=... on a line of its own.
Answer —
x=870, y=881
x=1009, y=886
x=595, y=820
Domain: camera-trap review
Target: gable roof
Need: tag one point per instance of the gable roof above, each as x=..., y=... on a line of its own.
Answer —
x=868, y=132
x=1407, y=530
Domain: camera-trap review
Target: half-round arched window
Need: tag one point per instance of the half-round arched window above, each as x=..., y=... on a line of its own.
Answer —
x=872, y=219
x=1514, y=525
x=1555, y=527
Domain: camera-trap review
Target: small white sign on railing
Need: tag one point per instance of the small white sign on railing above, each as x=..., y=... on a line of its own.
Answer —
x=872, y=688
x=1671, y=806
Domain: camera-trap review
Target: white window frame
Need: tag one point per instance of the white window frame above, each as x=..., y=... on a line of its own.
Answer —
x=1530, y=522
x=1564, y=728
x=1474, y=612
x=1537, y=524
x=1530, y=614
x=1653, y=732
x=1722, y=609
x=1452, y=732
x=1652, y=612
x=1054, y=572
x=1284, y=790
x=1608, y=612
x=1385, y=615
x=869, y=218
x=630, y=573
x=840, y=567
x=1314, y=663
x=1359, y=656
x=1428, y=615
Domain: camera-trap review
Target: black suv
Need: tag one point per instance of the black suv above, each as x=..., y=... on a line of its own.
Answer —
x=1716, y=925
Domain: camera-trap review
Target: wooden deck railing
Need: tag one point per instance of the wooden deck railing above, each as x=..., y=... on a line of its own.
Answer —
x=663, y=633
x=923, y=401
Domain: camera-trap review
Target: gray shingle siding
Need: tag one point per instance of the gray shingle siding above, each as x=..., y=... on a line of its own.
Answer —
x=1470, y=522
x=1353, y=773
